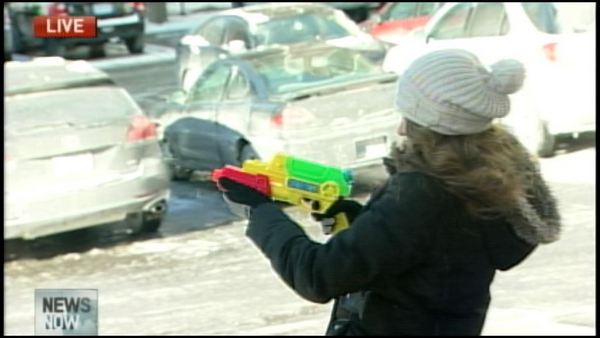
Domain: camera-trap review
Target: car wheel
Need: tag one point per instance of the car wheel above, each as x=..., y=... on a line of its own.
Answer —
x=547, y=141
x=97, y=51
x=135, y=45
x=143, y=223
x=181, y=174
x=54, y=48
x=17, y=43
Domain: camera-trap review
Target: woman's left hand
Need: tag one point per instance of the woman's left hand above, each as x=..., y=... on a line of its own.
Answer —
x=242, y=194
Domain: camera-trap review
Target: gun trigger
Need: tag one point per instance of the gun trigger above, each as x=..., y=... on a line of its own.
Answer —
x=315, y=205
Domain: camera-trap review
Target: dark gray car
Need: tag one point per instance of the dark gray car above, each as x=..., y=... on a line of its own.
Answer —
x=79, y=152
x=322, y=103
x=257, y=27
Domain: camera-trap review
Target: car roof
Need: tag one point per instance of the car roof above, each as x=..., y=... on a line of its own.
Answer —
x=50, y=73
x=256, y=14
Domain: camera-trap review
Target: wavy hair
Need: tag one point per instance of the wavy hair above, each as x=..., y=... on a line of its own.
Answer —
x=487, y=171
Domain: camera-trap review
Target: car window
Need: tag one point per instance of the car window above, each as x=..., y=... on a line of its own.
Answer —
x=403, y=10
x=428, y=8
x=299, y=28
x=211, y=85
x=453, y=24
x=214, y=31
x=26, y=112
x=489, y=20
x=239, y=87
x=289, y=73
x=555, y=18
x=576, y=17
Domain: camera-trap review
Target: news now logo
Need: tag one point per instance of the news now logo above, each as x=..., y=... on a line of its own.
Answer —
x=66, y=312
x=64, y=27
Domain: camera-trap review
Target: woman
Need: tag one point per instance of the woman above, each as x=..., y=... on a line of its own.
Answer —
x=463, y=200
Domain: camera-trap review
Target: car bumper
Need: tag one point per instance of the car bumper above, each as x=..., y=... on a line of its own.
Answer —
x=343, y=143
x=111, y=202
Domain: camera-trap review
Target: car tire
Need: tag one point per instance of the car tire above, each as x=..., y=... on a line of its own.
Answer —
x=547, y=141
x=181, y=174
x=97, y=51
x=54, y=48
x=135, y=45
x=17, y=41
x=141, y=223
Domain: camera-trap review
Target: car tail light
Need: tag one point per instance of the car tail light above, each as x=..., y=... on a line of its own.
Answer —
x=550, y=51
x=141, y=129
x=293, y=116
x=58, y=9
x=277, y=120
x=137, y=6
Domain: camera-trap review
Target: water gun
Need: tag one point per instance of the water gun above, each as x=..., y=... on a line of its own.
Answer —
x=313, y=186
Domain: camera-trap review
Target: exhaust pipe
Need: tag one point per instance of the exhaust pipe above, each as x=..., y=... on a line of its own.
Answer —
x=158, y=209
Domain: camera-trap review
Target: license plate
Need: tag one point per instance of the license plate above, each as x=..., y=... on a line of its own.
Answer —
x=73, y=165
x=372, y=148
x=102, y=9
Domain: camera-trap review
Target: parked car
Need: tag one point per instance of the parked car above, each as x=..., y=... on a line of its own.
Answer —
x=244, y=29
x=318, y=102
x=556, y=43
x=394, y=20
x=7, y=36
x=122, y=21
x=78, y=152
x=357, y=11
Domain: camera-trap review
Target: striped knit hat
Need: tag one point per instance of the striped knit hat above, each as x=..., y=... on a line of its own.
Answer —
x=449, y=91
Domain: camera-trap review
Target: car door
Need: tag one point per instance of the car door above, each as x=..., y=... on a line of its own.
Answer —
x=481, y=28
x=234, y=109
x=194, y=135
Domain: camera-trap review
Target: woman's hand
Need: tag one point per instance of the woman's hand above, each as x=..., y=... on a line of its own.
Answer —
x=242, y=194
x=350, y=207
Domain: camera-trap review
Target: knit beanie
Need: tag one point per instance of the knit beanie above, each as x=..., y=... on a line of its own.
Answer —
x=449, y=91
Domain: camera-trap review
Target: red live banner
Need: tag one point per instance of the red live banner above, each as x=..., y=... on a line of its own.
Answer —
x=64, y=26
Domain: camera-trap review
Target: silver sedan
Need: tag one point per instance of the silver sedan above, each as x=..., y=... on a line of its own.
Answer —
x=78, y=152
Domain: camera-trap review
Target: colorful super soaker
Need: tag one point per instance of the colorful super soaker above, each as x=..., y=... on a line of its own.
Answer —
x=313, y=186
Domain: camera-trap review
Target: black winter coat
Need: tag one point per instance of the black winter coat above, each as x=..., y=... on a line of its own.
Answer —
x=414, y=261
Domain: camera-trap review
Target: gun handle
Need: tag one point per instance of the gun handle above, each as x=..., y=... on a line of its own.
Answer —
x=341, y=223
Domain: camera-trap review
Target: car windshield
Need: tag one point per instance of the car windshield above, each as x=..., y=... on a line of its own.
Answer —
x=29, y=112
x=302, y=71
x=557, y=18
x=304, y=27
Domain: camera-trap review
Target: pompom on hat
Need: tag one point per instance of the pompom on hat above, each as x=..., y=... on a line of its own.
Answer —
x=449, y=91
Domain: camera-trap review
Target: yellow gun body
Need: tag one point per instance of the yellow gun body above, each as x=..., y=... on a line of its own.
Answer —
x=315, y=191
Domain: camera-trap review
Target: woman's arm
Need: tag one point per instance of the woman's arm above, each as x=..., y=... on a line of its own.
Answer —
x=390, y=236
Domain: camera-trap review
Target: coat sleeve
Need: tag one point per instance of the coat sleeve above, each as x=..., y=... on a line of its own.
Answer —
x=390, y=236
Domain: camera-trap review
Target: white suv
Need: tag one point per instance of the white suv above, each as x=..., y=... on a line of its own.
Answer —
x=555, y=41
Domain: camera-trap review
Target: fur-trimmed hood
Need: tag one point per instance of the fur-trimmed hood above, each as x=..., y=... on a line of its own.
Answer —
x=535, y=221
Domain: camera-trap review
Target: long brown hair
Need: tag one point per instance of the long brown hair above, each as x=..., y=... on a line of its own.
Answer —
x=487, y=171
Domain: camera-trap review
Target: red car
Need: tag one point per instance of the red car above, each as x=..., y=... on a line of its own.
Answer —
x=396, y=19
